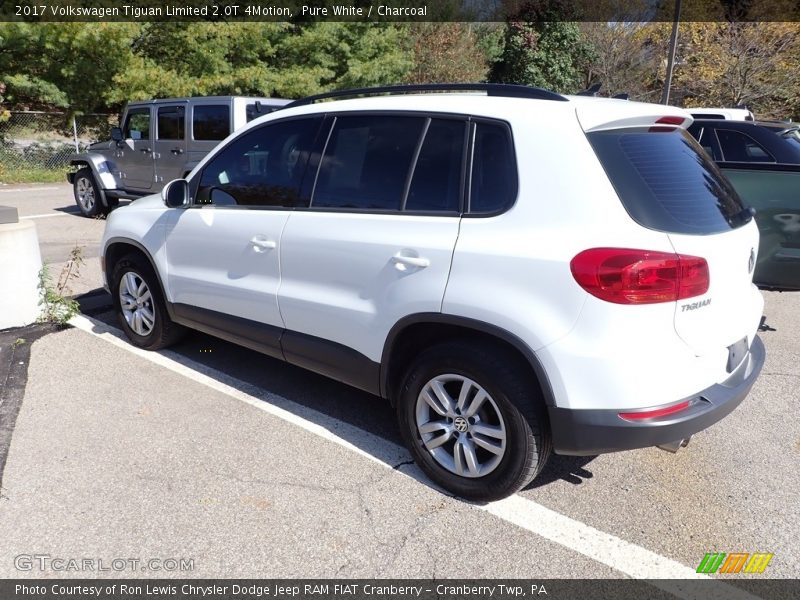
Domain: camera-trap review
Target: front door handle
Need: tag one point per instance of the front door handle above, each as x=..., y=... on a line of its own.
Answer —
x=401, y=261
x=146, y=150
x=261, y=244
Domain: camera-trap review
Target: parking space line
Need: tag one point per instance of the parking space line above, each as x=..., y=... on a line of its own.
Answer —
x=46, y=215
x=30, y=189
x=628, y=558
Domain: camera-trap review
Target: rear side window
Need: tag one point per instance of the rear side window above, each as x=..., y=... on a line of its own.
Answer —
x=253, y=112
x=170, y=123
x=436, y=182
x=666, y=182
x=211, y=122
x=366, y=162
x=493, y=182
x=740, y=147
x=705, y=137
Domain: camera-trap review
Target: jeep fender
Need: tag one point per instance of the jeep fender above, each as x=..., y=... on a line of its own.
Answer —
x=101, y=168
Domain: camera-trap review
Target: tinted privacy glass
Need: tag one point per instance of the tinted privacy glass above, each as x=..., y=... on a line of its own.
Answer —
x=366, y=162
x=740, y=147
x=494, y=172
x=170, y=123
x=137, y=125
x=705, y=137
x=252, y=111
x=211, y=122
x=436, y=183
x=264, y=167
x=666, y=182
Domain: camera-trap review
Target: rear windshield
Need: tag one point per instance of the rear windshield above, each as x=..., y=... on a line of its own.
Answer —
x=667, y=182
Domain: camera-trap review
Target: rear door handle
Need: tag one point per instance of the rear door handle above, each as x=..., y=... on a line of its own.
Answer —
x=260, y=244
x=410, y=261
x=177, y=151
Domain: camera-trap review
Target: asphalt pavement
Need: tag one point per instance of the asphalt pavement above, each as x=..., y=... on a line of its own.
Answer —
x=254, y=468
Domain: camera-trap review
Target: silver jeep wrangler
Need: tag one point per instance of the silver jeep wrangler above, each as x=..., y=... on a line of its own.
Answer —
x=157, y=141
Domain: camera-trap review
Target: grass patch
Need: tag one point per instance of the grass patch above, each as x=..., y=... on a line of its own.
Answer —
x=32, y=175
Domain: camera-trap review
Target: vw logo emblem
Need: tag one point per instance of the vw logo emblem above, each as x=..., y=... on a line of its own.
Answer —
x=461, y=425
x=752, y=262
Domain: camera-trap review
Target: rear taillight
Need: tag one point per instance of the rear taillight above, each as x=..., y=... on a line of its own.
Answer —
x=626, y=276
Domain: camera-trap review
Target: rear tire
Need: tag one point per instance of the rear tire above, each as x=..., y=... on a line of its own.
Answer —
x=473, y=420
x=87, y=193
x=140, y=305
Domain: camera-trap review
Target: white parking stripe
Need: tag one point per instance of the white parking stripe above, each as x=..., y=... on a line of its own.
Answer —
x=625, y=557
x=31, y=189
x=46, y=215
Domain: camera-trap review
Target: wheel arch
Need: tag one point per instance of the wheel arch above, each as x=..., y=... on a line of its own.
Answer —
x=103, y=179
x=116, y=248
x=414, y=332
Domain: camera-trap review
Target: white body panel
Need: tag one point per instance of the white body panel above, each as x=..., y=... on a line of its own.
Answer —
x=226, y=260
x=341, y=279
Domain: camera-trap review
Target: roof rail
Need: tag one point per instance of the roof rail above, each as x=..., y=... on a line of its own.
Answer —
x=491, y=89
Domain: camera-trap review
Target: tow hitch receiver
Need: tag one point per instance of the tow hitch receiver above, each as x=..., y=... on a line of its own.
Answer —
x=675, y=446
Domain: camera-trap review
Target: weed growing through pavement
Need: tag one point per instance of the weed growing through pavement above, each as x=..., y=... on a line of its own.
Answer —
x=56, y=306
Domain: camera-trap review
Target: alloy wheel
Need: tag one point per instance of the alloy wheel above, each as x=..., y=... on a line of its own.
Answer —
x=460, y=425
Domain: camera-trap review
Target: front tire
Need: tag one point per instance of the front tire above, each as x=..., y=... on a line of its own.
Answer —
x=140, y=306
x=473, y=421
x=87, y=193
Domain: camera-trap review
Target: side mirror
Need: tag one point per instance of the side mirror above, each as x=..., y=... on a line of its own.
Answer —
x=176, y=193
x=116, y=134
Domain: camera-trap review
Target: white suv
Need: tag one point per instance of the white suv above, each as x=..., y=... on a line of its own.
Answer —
x=516, y=271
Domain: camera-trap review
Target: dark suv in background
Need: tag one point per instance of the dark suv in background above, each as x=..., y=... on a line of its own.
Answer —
x=744, y=141
x=762, y=161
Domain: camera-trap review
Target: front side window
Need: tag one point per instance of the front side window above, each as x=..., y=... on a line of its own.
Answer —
x=137, y=124
x=367, y=161
x=263, y=167
x=211, y=122
x=171, y=123
x=493, y=184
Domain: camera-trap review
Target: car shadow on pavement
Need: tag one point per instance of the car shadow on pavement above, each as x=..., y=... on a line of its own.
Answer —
x=564, y=468
x=361, y=419
x=70, y=209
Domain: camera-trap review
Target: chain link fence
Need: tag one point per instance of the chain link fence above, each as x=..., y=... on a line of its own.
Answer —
x=38, y=144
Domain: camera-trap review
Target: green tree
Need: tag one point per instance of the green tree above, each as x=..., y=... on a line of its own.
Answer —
x=546, y=54
x=65, y=65
x=87, y=67
x=273, y=59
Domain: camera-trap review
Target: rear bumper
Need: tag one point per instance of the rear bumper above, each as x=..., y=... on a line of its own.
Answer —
x=589, y=432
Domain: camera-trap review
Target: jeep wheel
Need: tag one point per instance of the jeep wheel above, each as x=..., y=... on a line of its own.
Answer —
x=87, y=195
x=140, y=307
x=474, y=424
